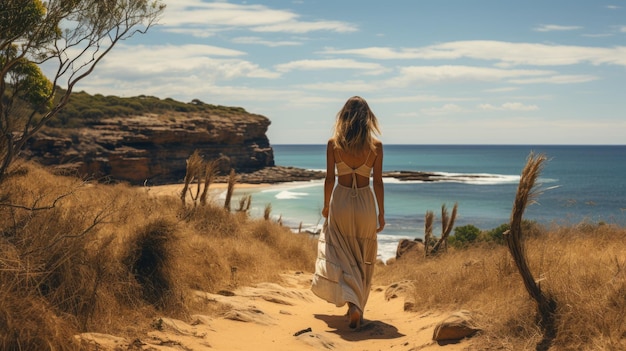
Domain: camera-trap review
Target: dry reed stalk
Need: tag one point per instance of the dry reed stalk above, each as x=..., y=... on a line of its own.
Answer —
x=244, y=203
x=249, y=203
x=447, y=222
x=450, y=224
x=267, y=212
x=232, y=180
x=209, y=173
x=194, y=164
x=526, y=194
x=428, y=231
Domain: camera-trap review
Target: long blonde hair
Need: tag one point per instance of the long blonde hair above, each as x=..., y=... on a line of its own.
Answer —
x=355, y=126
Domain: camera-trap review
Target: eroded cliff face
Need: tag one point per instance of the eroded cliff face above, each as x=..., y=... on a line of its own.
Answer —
x=153, y=148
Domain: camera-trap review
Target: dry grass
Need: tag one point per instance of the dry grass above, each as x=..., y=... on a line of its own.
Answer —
x=581, y=266
x=110, y=258
x=79, y=257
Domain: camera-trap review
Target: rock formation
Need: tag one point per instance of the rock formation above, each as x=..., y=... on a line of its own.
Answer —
x=406, y=246
x=153, y=147
x=455, y=327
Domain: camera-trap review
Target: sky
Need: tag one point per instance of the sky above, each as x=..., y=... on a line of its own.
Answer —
x=433, y=71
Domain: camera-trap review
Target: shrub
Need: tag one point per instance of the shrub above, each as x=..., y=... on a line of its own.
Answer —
x=496, y=235
x=149, y=259
x=464, y=235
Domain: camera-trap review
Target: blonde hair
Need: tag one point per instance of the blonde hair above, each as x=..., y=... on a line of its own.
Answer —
x=355, y=126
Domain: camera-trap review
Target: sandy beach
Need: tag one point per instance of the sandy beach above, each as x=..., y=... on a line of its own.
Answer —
x=175, y=189
x=287, y=316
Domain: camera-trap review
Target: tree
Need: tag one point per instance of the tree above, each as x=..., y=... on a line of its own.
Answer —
x=69, y=38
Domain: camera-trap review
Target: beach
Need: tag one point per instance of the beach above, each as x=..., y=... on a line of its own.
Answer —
x=176, y=189
x=287, y=316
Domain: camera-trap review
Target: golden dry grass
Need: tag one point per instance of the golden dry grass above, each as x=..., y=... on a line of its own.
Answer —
x=78, y=256
x=581, y=266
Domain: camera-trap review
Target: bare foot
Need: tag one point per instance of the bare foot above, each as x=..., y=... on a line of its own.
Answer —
x=355, y=316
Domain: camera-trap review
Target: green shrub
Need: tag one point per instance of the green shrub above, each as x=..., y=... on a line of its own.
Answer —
x=496, y=235
x=464, y=235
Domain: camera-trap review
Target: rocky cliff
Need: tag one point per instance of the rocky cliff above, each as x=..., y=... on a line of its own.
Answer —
x=154, y=147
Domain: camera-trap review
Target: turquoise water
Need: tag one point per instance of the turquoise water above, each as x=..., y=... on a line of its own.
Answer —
x=578, y=183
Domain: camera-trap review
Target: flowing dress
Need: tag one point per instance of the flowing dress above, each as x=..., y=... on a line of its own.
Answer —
x=347, y=246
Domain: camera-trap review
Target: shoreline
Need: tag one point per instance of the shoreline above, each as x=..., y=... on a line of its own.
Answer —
x=287, y=174
x=175, y=189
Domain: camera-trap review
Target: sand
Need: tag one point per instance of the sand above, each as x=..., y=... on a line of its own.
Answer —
x=287, y=316
x=175, y=189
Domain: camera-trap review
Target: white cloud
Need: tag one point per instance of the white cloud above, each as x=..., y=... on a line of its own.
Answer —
x=443, y=110
x=261, y=41
x=622, y=29
x=222, y=14
x=420, y=98
x=199, y=18
x=378, y=53
x=557, y=79
x=154, y=62
x=501, y=90
x=508, y=106
x=429, y=74
x=505, y=54
x=308, y=65
x=344, y=86
x=555, y=27
x=306, y=27
x=195, y=32
x=598, y=35
x=613, y=7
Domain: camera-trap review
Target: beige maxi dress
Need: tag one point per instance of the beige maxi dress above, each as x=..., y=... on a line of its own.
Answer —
x=347, y=245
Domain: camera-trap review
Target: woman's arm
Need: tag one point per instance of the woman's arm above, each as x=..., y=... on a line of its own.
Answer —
x=329, y=181
x=377, y=183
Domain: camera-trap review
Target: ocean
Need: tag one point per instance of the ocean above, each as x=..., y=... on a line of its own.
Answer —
x=579, y=183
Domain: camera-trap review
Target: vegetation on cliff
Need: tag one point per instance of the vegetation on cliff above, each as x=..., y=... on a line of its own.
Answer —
x=84, y=109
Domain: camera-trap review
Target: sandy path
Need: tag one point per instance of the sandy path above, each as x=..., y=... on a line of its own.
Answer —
x=267, y=317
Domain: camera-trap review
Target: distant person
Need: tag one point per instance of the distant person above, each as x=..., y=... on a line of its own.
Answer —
x=348, y=245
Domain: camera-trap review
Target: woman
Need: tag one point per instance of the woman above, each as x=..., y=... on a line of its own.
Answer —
x=347, y=246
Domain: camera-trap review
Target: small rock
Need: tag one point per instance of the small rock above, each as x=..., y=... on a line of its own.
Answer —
x=455, y=327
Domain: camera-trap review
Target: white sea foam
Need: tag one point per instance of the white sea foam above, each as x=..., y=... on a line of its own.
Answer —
x=480, y=178
x=466, y=178
x=291, y=186
x=388, y=244
x=290, y=195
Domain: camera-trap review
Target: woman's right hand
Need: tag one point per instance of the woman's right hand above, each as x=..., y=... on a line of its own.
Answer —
x=325, y=212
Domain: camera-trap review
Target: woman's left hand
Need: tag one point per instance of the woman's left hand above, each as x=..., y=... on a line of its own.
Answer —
x=381, y=223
